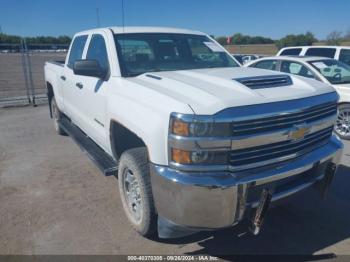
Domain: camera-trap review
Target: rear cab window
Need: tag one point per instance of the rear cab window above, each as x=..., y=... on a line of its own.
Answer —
x=77, y=49
x=344, y=56
x=291, y=51
x=324, y=52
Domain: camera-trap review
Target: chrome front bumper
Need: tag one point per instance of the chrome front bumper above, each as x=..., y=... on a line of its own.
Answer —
x=207, y=200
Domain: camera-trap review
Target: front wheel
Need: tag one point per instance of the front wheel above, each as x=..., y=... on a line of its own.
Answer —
x=342, y=126
x=136, y=192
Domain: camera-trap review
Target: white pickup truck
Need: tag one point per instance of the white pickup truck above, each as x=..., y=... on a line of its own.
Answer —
x=197, y=142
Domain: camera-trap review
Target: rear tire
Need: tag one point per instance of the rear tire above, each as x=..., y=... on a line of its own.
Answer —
x=342, y=125
x=136, y=191
x=56, y=116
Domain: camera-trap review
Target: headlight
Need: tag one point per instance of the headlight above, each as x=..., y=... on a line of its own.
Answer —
x=198, y=157
x=189, y=134
x=199, y=126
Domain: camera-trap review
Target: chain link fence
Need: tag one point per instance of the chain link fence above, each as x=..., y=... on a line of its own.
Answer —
x=22, y=72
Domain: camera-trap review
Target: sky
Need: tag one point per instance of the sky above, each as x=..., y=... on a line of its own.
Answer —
x=270, y=18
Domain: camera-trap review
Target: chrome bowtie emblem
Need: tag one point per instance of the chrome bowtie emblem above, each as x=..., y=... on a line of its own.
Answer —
x=298, y=132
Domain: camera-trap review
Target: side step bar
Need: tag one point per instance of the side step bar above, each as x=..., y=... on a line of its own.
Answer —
x=104, y=162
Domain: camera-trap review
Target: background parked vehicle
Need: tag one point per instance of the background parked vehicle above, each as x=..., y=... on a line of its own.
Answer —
x=341, y=53
x=245, y=58
x=327, y=70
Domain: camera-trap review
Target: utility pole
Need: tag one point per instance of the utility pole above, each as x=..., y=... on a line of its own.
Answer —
x=98, y=17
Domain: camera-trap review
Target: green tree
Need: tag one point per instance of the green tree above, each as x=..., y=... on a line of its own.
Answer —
x=296, y=40
x=222, y=40
x=334, y=38
x=9, y=39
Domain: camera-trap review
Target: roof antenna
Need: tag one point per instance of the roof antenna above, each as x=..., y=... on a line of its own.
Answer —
x=123, y=24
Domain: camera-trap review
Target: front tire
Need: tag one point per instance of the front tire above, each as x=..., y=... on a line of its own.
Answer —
x=56, y=116
x=136, y=191
x=342, y=126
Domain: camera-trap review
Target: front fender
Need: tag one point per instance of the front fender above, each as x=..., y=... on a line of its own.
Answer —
x=146, y=113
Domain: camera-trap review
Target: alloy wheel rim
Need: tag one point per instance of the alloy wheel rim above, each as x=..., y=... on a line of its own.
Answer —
x=342, y=125
x=132, y=194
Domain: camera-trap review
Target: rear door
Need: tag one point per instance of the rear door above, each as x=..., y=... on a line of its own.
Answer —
x=71, y=92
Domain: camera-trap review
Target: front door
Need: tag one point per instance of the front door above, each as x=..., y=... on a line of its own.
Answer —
x=94, y=93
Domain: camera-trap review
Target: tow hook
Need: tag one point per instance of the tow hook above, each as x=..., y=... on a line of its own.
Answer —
x=327, y=180
x=261, y=211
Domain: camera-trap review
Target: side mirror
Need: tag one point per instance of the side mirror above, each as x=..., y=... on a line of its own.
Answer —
x=89, y=67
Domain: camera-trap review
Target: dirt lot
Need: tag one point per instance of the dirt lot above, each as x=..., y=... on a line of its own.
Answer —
x=53, y=200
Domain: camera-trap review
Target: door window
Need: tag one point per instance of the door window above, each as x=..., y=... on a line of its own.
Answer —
x=345, y=56
x=77, y=49
x=98, y=51
x=291, y=51
x=335, y=71
x=267, y=64
x=324, y=52
x=296, y=69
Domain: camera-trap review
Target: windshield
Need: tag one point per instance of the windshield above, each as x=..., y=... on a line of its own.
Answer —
x=334, y=71
x=153, y=52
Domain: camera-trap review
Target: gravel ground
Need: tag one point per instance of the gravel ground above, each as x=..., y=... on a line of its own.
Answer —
x=53, y=200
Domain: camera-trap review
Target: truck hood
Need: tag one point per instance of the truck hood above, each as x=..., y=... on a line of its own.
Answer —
x=208, y=91
x=342, y=85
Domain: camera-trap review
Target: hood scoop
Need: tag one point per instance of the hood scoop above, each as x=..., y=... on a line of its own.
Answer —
x=259, y=82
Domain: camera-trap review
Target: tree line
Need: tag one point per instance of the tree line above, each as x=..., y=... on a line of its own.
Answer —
x=240, y=39
x=14, y=39
x=289, y=40
x=333, y=38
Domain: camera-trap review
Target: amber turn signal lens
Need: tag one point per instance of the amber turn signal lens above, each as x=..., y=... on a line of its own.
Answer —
x=180, y=156
x=180, y=128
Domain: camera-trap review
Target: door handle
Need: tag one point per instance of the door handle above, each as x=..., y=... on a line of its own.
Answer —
x=63, y=78
x=79, y=85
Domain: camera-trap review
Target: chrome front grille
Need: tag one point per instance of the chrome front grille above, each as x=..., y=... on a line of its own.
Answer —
x=283, y=121
x=259, y=136
x=278, y=152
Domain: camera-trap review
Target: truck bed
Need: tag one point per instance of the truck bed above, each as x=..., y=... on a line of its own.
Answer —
x=58, y=62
